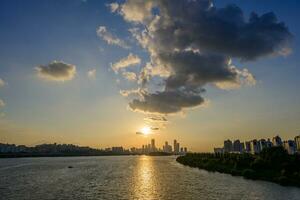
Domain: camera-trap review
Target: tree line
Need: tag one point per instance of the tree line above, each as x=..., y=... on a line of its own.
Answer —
x=271, y=164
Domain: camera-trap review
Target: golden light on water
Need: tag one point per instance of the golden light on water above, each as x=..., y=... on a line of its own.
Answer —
x=145, y=186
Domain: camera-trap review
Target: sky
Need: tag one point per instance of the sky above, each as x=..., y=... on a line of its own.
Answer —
x=96, y=72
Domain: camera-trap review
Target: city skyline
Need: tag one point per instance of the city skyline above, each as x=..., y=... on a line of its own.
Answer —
x=14, y=150
x=103, y=73
x=255, y=146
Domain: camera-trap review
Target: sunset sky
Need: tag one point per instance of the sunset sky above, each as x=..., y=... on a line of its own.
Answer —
x=96, y=72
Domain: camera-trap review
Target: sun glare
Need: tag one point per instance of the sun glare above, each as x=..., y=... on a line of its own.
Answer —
x=145, y=130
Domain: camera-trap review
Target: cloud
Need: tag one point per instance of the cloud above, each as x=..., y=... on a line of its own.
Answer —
x=110, y=38
x=2, y=104
x=130, y=60
x=191, y=44
x=243, y=77
x=56, y=71
x=2, y=83
x=156, y=118
x=92, y=74
x=135, y=10
x=126, y=93
x=130, y=76
x=113, y=7
x=200, y=25
x=166, y=102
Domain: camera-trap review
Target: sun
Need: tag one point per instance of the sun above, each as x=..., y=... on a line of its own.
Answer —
x=146, y=130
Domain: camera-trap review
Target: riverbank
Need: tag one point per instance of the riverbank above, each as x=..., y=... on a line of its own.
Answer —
x=32, y=155
x=273, y=164
x=29, y=155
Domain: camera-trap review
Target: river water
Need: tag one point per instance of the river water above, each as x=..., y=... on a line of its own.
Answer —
x=126, y=177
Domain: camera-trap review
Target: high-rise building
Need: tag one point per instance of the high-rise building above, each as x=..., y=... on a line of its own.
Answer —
x=242, y=147
x=227, y=146
x=176, y=147
x=255, y=148
x=153, y=148
x=237, y=146
x=174, y=144
x=269, y=143
x=248, y=147
x=167, y=148
x=185, y=150
x=262, y=144
x=297, y=141
x=277, y=141
x=290, y=146
x=117, y=149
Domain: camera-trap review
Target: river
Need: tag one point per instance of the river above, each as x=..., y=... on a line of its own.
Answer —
x=126, y=177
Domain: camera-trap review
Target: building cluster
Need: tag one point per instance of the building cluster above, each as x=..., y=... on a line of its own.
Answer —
x=12, y=148
x=167, y=148
x=256, y=146
x=70, y=148
x=44, y=148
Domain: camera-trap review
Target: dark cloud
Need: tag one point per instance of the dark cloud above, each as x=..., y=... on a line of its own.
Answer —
x=156, y=119
x=166, y=102
x=200, y=25
x=194, y=42
x=191, y=69
x=56, y=71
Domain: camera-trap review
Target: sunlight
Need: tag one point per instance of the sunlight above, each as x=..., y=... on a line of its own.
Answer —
x=146, y=130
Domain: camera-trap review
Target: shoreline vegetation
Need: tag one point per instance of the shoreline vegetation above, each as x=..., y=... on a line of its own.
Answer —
x=272, y=164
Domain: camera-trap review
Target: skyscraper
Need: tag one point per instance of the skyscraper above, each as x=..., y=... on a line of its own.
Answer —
x=269, y=143
x=176, y=147
x=297, y=141
x=290, y=146
x=248, y=146
x=153, y=148
x=277, y=141
x=237, y=146
x=262, y=144
x=167, y=148
x=227, y=146
x=255, y=148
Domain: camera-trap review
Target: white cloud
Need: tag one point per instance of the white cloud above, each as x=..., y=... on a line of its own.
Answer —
x=110, y=38
x=131, y=76
x=2, y=83
x=56, y=71
x=2, y=103
x=127, y=93
x=113, y=7
x=243, y=77
x=130, y=60
x=92, y=73
x=136, y=10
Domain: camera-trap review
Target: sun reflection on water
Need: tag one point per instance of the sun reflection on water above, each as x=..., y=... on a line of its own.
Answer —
x=145, y=186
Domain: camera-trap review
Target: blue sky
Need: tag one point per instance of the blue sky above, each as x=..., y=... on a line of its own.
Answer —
x=84, y=111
